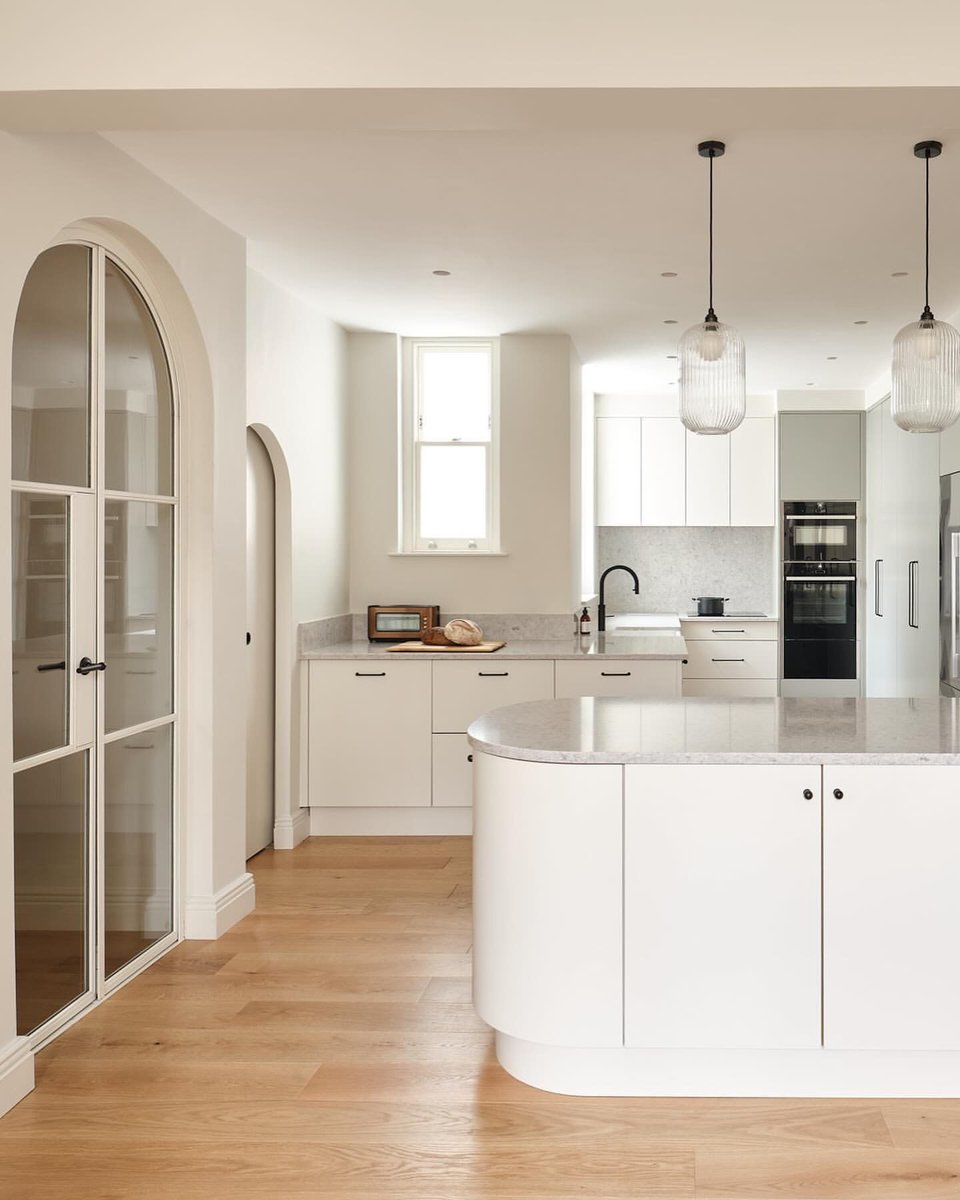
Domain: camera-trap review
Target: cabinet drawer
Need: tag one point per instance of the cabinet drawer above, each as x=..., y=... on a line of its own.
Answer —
x=452, y=771
x=729, y=631
x=463, y=691
x=732, y=688
x=369, y=734
x=618, y=677
x=731, y=660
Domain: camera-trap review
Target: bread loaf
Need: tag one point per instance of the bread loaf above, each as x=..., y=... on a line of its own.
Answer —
x=463, y=633
x=435, y=636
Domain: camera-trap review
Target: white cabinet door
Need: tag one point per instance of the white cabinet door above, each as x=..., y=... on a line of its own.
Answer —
x=548, y=901
x=753, y=451
x=610, y=677
x=731, y=660
x=452, y=771
x=891, y=908
x=722, y=906
x=662, y=471
x=369, y=734
x=618, y=470
x=708, y=479
x=465, y=690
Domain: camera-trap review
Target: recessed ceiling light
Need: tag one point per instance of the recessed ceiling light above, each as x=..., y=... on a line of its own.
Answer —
x=672, y=383
x=860, y=322
x=898, y=274
x=441, y=272
x=671, y=356
x=831, y=358
x=669, y=322
x=668, y=274
x=810, y=385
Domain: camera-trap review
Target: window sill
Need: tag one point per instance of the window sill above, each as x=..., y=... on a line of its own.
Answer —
x=448, y=554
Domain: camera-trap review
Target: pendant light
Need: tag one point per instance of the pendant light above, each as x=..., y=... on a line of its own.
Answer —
x=713, y=390
x=926, y=353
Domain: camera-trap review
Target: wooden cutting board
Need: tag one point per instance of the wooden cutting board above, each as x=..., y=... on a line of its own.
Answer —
x=415, y=647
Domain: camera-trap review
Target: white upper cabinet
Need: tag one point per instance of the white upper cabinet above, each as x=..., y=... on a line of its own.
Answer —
x=708, y=479
x=662, y=471
x=753, y=499
x=618, y=470
x=653, y=471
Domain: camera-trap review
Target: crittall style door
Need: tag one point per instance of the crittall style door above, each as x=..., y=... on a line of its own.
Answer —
x=94, y=621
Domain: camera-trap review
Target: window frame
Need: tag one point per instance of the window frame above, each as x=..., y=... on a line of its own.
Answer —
x=409, y=538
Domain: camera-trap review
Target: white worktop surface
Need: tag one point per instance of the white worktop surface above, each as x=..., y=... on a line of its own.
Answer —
x=608, y=730
x=654, y=644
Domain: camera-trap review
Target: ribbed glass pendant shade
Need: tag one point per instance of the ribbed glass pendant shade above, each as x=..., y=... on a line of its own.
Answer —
x=925, y=396
x=713, y=391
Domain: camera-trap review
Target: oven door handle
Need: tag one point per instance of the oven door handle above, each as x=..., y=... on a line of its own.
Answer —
x=819, y=578
x=823, y=518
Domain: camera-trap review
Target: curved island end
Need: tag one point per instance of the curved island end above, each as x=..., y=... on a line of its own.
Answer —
x=724, y=898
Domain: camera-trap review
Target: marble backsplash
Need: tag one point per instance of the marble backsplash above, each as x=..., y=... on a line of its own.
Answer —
x=674, y=564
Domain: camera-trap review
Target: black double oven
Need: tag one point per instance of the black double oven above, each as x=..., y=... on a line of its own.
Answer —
x=819, y=589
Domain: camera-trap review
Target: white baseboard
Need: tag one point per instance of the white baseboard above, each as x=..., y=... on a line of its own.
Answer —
x=16, y=1073
x=205, y=918
x=290, y=831
x=390, y=822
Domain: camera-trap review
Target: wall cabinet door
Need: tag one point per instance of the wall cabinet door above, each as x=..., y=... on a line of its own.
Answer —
x=369, y=734
x=708, y=479
x=752, y=466
x=820, y=456
x=662, y=471
x=618, y=470
x=722, y=906
x=891, y=895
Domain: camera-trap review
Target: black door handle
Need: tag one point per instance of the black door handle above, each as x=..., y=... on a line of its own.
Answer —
x=616, y=674
x=87, y=665
x=493, y=674
x=60, y=666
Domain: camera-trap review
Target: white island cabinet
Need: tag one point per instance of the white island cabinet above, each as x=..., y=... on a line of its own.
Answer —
x=776, y=877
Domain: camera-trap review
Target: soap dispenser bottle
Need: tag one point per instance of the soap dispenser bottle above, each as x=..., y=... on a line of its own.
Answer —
x=585, y=622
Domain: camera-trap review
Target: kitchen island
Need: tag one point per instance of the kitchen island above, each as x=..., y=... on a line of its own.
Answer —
x=720, y=897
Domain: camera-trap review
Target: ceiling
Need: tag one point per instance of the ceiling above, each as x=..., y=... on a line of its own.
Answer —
x=563, y=218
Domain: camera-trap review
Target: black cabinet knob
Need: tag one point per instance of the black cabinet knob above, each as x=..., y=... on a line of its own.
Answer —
x=807, y=794
x=469, y=758
x=838, y=795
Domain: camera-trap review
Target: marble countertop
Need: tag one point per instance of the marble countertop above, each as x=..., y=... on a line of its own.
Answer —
x=608, y=730
x=656, y=644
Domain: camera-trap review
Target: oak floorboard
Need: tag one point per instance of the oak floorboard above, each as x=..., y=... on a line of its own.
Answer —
x=327, y=1047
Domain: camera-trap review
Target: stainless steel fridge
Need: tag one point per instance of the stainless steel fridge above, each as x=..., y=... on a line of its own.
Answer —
x=950, y=585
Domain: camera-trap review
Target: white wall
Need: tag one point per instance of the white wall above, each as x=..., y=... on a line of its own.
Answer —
x=296, y=400
x=536, y=574
x=196, y=270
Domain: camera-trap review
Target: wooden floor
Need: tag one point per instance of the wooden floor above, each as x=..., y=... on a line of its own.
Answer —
x=327, y=1047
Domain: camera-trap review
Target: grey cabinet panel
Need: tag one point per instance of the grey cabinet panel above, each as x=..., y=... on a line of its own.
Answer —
x=820, y=456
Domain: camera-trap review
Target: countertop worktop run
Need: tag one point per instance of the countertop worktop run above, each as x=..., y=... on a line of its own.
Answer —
x=660, y=644
x=608, y=730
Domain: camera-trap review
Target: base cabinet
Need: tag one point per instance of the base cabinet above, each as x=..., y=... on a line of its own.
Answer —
x=722, y=906
x=891, y=908
x=452, y=771
x=368, y=734
x=609, y=677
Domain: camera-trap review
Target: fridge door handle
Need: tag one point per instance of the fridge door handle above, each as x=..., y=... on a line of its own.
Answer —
x=878, y=587
x=913, y=567
x=955, y=598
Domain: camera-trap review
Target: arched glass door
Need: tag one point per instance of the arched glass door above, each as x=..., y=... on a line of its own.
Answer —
x=94, y=550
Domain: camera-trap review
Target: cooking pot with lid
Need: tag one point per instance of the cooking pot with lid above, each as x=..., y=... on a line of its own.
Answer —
x=710, y=606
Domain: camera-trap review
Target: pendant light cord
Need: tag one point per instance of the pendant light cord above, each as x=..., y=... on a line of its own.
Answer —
x=926, y=248
x=711, y=315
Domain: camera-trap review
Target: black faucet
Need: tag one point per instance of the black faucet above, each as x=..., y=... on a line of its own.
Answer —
x=601, y=607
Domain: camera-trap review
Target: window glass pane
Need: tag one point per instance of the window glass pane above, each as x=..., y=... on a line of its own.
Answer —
x=138, y=848
x=138, y=612
x=454, y=390
x=50, y=816
x=41, y=649
x=139, y=420
x=453, y=491
x=51, y=370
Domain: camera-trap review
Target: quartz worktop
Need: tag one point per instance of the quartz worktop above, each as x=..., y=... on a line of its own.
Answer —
x=807, y=731
x=662, y=644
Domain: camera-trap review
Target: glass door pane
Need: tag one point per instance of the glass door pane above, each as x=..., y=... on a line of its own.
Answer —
x=51, y=371
x=41, y=622
x=51, y=822
x=138, y=612
x=138, y=858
